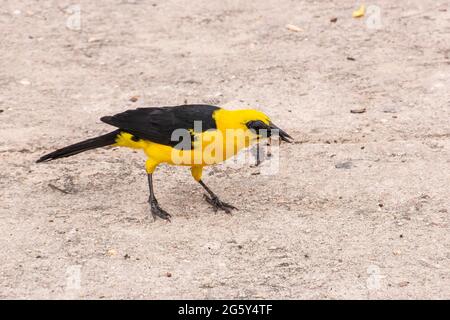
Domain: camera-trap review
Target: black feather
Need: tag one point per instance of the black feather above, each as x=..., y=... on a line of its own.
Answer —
x=158, y=124
x=97, y=142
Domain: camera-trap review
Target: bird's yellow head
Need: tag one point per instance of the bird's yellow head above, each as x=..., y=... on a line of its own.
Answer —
x=253, y=120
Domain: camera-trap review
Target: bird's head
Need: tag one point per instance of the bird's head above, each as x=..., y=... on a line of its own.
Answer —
x=261, y=124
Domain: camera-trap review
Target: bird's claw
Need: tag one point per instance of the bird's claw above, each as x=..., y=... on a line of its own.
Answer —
x=217, y=204
x=157, y=211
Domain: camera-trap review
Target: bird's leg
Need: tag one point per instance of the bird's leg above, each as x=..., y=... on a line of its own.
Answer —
x=213, y=200
x=154, y=206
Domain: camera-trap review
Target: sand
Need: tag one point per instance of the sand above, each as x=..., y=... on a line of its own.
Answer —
x=359, y=207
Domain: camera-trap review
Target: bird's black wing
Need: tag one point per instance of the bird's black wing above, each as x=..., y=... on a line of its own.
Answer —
x=158, y=124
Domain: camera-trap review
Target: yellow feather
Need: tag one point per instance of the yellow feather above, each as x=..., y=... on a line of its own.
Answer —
x=209, y=147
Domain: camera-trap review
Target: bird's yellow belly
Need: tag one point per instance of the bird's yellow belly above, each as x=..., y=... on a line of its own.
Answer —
x=209, y=148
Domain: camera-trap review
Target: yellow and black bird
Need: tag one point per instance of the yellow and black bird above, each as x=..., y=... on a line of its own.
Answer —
x=188, y=135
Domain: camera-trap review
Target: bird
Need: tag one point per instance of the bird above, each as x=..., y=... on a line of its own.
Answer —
x=193, y=135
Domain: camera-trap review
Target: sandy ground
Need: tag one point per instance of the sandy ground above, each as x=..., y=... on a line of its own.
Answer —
x=359, y=208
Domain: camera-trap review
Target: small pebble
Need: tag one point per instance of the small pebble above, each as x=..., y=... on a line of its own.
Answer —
x=93, y=39
x=294, y=28
x=389, y=110
x=25, y=82
x=343, y=165
x=361, y=110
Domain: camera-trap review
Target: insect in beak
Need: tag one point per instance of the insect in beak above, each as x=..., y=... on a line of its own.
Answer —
x=268, y=131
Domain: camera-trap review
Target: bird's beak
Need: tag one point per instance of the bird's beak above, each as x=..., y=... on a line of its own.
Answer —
x=281, y=133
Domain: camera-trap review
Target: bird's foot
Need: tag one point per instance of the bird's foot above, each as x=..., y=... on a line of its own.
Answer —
x=157, y=211
x=217, y=204
x=257, y=163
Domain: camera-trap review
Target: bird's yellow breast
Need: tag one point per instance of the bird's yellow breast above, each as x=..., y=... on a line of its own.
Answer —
x=209, y=148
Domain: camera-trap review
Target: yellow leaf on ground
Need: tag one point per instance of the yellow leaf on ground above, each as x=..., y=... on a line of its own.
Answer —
x=360, y=12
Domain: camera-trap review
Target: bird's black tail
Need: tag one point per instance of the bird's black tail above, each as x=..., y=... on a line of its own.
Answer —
x=98, y=142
